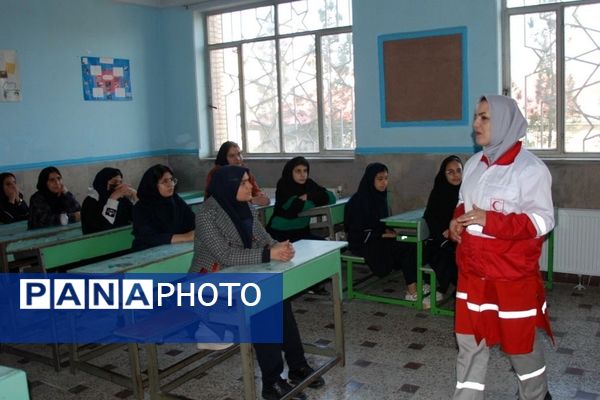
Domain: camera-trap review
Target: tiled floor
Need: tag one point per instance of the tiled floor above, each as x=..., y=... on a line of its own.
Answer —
x=391, y=353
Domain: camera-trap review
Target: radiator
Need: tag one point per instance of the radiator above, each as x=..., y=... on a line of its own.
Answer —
x=576, y=242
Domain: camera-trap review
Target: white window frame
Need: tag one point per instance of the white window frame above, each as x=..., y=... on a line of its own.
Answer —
x=557, y=7
x=318, y=34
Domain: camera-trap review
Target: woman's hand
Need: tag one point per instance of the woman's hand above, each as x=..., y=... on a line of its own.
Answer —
x=261, y=199
x=282, y=251
x=303, y=197
x=446, y=234
x=123, y=190
x=455, y=230
x=77, y=216
x=389, y=234
x=474, y=217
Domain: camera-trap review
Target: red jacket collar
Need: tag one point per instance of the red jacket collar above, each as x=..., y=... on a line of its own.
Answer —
x=508, y=157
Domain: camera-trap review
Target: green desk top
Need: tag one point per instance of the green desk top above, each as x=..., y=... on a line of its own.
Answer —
x=34, y=233
x=13, y=384
x=138, y=259
x=194, y=200
x=409, y=223
x=190, y=194
x=314, y=261
x=12, y=228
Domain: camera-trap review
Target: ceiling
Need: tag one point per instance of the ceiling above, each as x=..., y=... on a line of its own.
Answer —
x=202, y=5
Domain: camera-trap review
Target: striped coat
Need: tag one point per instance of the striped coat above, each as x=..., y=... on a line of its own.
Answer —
x=217, y=243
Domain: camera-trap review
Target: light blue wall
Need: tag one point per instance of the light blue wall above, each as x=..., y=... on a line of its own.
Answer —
x=53, y=123
x=374, y=18
x=181, y=102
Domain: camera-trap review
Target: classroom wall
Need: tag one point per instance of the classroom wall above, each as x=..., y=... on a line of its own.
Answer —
x=481, y=19
x=167, y=121
x=53, y=125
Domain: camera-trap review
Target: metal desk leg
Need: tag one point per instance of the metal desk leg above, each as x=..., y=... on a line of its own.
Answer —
x=153, y=379
x=137, y=382
x=337, y=318
x=248, y=371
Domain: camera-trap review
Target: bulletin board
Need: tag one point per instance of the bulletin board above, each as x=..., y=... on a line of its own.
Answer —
x=423, y=78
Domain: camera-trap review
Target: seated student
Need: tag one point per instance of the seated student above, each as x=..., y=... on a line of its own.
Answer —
x=230, y=154
x=439, y=250
x=160, y=216
x=12, y=206
x=296, y=192
x=228, y=233
x=52, y=204
x=368, y=237
x=109, y=203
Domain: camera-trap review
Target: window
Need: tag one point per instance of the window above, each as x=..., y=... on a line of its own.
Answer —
x=282, y=77
x=552, y=69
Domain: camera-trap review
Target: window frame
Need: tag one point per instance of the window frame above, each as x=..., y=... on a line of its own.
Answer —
x=276, y=37
x=558, y=7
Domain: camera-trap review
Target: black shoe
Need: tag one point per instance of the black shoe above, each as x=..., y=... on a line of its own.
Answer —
x=298, y=375
x=279, y=389
x=318, y=290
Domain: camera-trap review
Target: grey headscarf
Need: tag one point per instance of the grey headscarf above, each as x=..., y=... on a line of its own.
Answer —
x=508, y=125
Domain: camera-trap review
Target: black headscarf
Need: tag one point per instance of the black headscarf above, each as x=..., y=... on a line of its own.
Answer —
x=224, y=187
x=57, y=202
x=370, y=201
x=101, y=182
x=442, y=201
x=366, y=208
x=288, y=187
x=3, y=196
x=222, y=154
x=164, y=208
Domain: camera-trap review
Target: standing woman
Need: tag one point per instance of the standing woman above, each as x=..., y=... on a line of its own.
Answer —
x=109, y=204
x=228, y=233
x=368, y=237
x=296, y=192
x=160, y=216
x=12, y=206
x=52, y=204
x=439, y=250
x=504, y=211
x=231, y=154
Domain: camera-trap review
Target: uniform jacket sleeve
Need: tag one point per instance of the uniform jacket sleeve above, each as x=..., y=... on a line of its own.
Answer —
x=537, y=211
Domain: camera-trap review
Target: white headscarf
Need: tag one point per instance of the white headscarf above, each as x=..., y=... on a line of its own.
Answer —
x=508, y=126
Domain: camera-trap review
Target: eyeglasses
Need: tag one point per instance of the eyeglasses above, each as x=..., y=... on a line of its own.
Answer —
x=168, y=182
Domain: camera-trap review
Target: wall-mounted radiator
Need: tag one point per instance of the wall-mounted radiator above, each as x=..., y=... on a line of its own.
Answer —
x=576, y=242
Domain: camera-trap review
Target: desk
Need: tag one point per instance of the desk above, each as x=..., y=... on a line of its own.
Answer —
x=327, y=216
x=314, y=261
x=63, y=248
x=71, y=246
x=13, y=384
x=192, y=201
x=19, y=226
x=173, y=258
x=7, y=238
x=191, y=194
x=266, y=212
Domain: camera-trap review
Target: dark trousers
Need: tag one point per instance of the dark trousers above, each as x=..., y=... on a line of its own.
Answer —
x=442, y=258
x=385, y=255
x=269, y=354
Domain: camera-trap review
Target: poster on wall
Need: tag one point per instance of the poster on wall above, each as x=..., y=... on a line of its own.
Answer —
x=106, y=78
x=10, y=87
